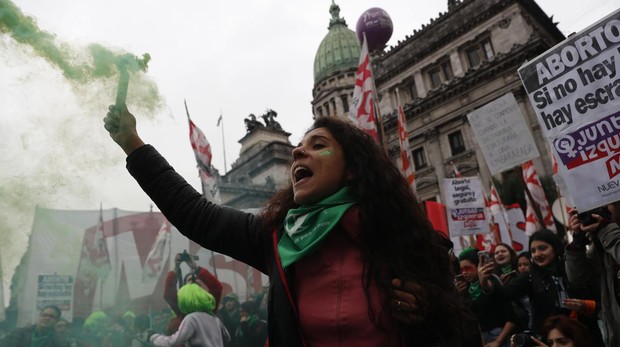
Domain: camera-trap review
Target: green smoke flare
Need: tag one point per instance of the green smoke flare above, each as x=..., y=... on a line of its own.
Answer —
x=102, y=62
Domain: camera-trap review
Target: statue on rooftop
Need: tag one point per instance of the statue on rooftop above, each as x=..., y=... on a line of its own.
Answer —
x=251, y=123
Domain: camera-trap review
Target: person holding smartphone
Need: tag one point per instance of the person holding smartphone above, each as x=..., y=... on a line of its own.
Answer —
x=546, y=285
x=601, y=264
x=497, y=320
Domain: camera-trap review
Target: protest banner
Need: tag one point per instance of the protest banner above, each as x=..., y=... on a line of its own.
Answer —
x=55, y=290
x=50, y=273
x=503, y=135
x=574, y=89
x=465, y=206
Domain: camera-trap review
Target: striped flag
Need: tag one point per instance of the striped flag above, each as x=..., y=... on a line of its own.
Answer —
x=532, y=223
x=159, y=255
x=406, y=163
x=202, y=152
x=538, y=195
x=362, y=112
x=100, y=256
x=499, y=214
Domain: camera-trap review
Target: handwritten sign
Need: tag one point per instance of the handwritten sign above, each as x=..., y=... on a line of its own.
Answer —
x=502, y=133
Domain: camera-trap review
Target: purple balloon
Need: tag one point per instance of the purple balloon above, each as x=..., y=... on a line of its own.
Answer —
x=377, y=25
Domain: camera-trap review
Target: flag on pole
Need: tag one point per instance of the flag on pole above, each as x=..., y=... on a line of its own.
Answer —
x=362, y=112
x=532, y=223
x=100, y=255
x=202, y=152
x=219, y=120
x=499, y=215
x=406, y=163
x=538, y=195
x=159, y=255
x=95, y=258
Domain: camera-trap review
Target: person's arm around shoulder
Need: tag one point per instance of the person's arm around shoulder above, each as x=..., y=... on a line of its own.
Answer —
x=121, y=125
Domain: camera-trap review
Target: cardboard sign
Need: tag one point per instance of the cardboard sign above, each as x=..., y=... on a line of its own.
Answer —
x=503, y=135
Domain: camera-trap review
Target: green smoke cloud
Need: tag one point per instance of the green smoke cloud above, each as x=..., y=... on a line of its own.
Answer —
x=51, y=146
x=80, y=66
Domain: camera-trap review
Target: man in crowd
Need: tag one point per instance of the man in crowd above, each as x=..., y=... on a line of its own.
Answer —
x=41, y=334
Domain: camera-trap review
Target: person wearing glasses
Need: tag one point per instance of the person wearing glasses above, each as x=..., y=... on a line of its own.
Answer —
x=41, y=334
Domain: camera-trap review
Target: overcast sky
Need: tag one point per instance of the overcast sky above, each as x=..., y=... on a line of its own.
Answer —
x=233, y=57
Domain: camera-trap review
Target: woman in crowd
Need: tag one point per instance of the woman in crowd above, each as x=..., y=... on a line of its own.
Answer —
x=546, y=285
x=198, y=275
x=252, y=331
x=524, y=260
x=497, y=320
x=559, y=331
x=200, y=327
x=505, y=259
x=506, y=264
x=350, y=254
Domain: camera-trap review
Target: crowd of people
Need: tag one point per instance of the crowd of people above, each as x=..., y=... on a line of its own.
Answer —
x=353, y=260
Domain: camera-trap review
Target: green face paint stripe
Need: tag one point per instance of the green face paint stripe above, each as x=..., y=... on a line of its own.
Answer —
x=326, y=152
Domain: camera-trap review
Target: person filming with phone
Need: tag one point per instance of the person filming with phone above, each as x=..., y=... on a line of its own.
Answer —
x=546, y=285
x=594, y=256
x=198, y=275
x=497, y=320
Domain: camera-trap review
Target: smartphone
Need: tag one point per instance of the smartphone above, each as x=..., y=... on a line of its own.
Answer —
x=459, y=278
x=485, y=256
x=586, y=217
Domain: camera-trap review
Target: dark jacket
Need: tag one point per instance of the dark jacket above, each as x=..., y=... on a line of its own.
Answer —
x=22, y=337
x=544, y=290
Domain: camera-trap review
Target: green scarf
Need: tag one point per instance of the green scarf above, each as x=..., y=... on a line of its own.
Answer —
x=475, y=290
x=506, y=269
x=306, y=227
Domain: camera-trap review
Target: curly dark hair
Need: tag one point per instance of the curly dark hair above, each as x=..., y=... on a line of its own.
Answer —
x=396, y=238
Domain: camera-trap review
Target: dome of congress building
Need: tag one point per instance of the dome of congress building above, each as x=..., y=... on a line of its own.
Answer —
x=339, y=51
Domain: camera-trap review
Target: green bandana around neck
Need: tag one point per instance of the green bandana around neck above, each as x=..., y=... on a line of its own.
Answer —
x=475, y=290
x=306, y=227
x=506, y=269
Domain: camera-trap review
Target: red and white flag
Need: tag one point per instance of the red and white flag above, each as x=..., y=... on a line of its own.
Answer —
x=532, y=223
x=538, y=195
x=362, y=112
x=95, y=258
x=159, y=256
x=406, y=163
x=202, y=152
x=499, y=215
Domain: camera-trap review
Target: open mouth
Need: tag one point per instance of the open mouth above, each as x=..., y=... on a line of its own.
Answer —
x=301, y=172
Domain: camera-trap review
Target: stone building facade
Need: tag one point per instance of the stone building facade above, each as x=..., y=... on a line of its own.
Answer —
x=262, y=167
x=463, y=59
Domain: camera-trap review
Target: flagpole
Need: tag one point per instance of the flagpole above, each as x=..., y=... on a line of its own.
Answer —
x=221, y=119
x=379, y=118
